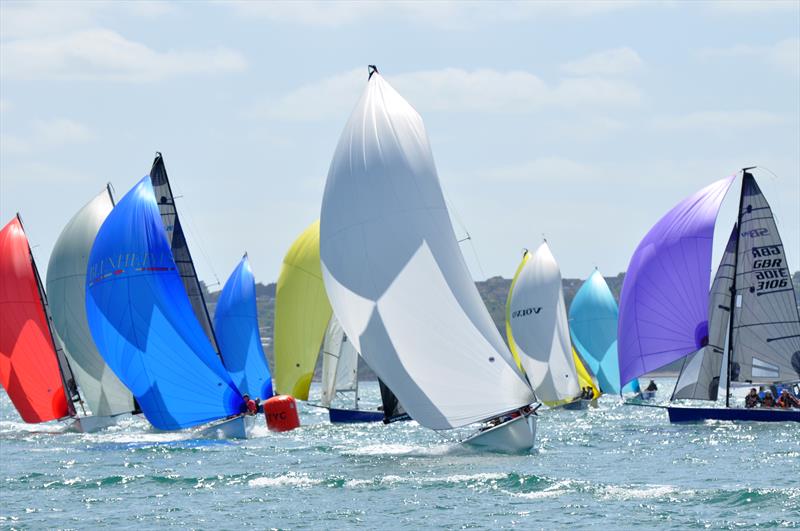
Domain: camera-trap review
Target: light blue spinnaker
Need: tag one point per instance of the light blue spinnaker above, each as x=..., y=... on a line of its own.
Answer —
x=143, y=324
x=236, y=325
x=593, y=318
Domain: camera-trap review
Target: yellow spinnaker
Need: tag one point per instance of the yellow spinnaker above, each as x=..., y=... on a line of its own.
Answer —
x=302, y=312
x=584, y=377
x=509, y=335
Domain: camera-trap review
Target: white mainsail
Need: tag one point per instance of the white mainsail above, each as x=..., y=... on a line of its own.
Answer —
x=66, y=291
x=339, y=365
x=396, y=278
x=539, y=328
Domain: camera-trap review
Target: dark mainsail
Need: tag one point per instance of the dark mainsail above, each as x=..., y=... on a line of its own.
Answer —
x=765, y=333
x=179, y=247
x=392, y=408
x=699, y=377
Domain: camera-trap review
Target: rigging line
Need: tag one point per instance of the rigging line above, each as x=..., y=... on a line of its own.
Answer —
x=468, y=237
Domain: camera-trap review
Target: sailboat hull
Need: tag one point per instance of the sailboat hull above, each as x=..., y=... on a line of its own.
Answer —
x=351, y=416
x=91, y=424
x=235, y=428
x=515, y=436
x=578, y=405
x=648, y=395
x=701, y=414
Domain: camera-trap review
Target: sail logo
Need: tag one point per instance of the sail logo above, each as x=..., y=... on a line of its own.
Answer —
x=526, y=311
x=755, y=233
x=111, y=266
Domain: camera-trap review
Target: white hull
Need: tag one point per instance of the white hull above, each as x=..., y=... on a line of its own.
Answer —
x=514, y=436
x=648, y=395
x=91, y=424
x=236, y=428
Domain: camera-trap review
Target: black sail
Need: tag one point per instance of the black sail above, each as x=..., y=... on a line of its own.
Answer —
x=179, y=247
x=765, y=341
x=392, y=408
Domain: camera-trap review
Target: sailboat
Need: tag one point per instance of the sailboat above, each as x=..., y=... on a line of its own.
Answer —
x=399, y=285
x=537, y=330
x=144, y=326
x=33, y=368
x=100, y=389
x=593, y=317
x=236, y=325
x=303, y=320
x=667, y=311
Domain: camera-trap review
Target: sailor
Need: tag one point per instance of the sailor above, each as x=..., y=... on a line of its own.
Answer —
x=768, y=401
x=652, y=386
x=752, y=399
x=786, y=400
x=251, y=407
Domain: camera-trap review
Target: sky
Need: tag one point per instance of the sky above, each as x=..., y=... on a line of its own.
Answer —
x=584, y=122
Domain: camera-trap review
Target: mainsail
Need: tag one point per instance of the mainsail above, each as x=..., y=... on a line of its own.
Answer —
x=236, y=323
x=302, y=312
x=765, y=338
x=339, y=365
x=396, y=278
x=179, y=247
x=537, y=328
x=699, y=377
x=29, y=367
x=143, y=323
x=66, y=288
x=663, y=312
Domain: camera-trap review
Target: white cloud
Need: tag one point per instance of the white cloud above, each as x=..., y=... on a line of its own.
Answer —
x=720, y=120
x=453, y=90
x=45, y=134
x=606, y=62
x=101, y=54
x=443, y=14
x=783, y=55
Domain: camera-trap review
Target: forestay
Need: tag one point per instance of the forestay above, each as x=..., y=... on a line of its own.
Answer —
x=766, y=327
x=302, y=312
x=700, y=375
x=238, y=336
x=537, y=328
x=663, y=308
x=395, y=275
x=143, y=324
x=29, y=369
x=66, y=289
x=339, y=365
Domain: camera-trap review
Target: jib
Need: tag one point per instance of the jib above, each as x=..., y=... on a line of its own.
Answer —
x=526, y=311
x=756, y=232
x=763, y=264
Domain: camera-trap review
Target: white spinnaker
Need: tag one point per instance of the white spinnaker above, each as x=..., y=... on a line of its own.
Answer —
x=66, y=292
x=540, y=329
x=339, y=364
x=395, y=275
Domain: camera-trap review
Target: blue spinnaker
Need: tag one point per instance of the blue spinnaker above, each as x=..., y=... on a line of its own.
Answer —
x=236, y=325
x=143, y=324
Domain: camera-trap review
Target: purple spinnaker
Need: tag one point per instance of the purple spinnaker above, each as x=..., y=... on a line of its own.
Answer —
x=663, y=310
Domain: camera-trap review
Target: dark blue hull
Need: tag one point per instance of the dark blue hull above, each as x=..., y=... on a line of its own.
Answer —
x=699, y=414
x=348, y=416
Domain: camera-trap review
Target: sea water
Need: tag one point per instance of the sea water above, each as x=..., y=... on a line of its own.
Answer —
x=614, y=467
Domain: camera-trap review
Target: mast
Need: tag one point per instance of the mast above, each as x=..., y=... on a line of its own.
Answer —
x=733, y=290
x=67, y=378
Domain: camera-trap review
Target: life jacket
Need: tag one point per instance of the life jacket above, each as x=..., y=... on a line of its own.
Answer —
x=252, y=407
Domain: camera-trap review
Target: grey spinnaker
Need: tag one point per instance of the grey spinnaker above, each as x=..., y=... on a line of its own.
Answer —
x=179, y=247
x=766, y=326
x=66, y=287
x=700, y=374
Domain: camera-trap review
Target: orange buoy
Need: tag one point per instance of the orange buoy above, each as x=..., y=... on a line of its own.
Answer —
x=281, y=413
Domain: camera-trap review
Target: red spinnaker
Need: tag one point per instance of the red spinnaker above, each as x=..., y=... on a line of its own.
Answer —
x=29, y=368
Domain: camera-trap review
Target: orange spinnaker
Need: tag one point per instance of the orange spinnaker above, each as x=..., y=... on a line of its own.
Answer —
x=29, y=368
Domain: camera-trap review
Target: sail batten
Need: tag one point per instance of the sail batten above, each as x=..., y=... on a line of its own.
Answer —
x=396, y=278
x=100, y=388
